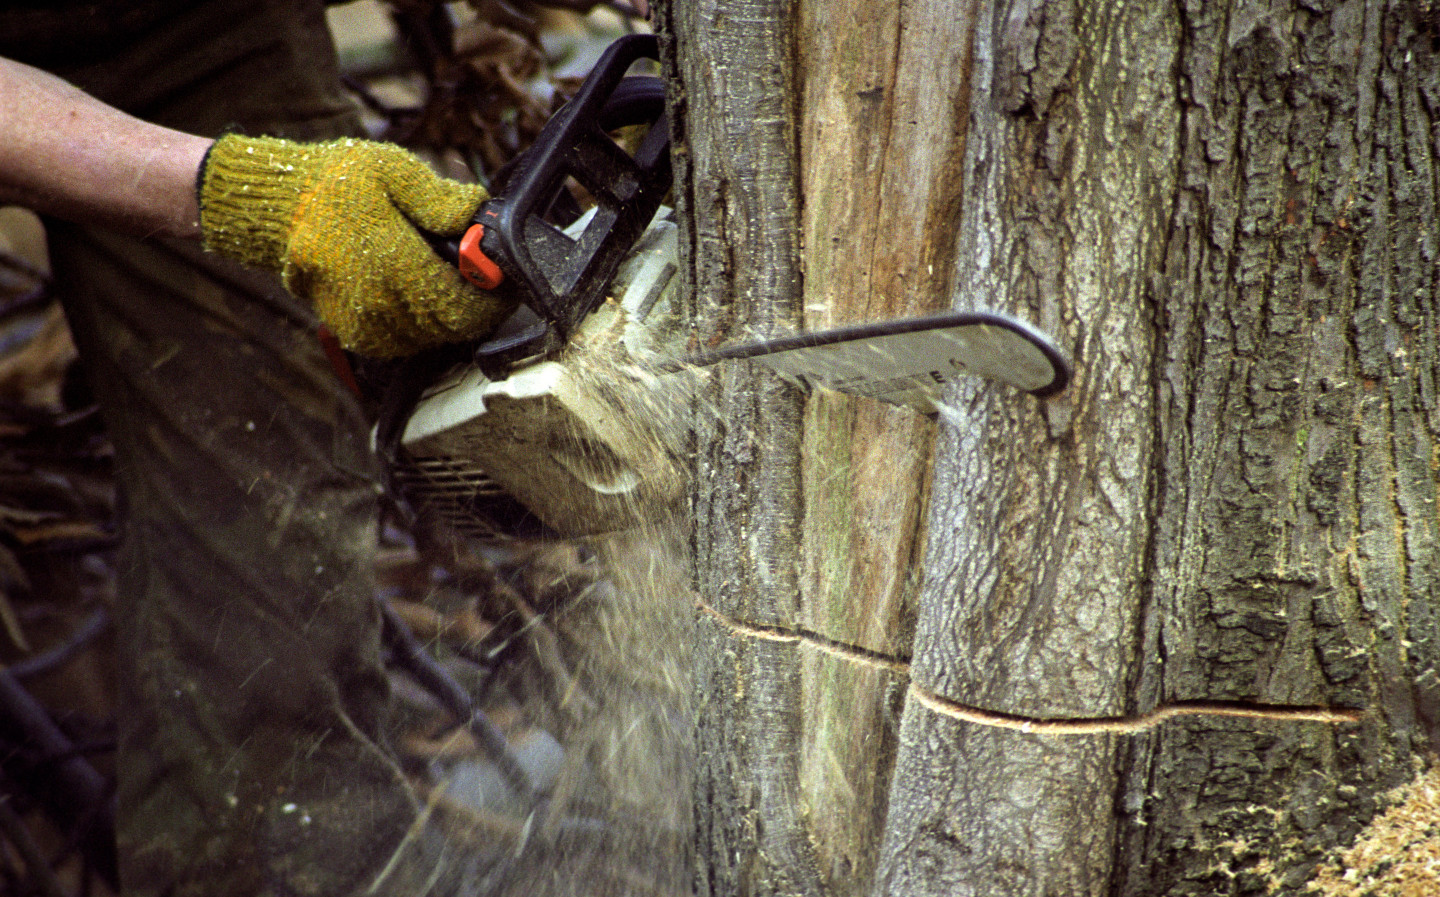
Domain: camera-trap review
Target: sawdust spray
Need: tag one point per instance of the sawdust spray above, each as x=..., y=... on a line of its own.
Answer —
x=605, y=676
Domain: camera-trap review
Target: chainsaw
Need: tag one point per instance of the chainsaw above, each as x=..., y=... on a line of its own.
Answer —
x=572, y=419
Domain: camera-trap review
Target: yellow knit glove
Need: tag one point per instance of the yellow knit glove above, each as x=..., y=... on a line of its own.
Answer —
x=338, y=222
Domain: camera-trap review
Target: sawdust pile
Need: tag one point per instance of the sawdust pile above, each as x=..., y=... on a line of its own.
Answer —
x=1398, y=853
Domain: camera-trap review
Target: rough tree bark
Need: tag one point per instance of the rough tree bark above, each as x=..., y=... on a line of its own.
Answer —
x=1173, y=632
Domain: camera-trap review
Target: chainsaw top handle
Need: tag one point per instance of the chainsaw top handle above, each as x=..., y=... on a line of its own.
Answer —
x=511, y=246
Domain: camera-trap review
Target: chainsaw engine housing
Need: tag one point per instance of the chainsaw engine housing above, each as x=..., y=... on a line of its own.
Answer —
x=585, y=439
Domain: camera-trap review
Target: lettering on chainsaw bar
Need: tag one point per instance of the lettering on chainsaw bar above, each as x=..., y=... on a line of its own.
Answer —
x=922, y=383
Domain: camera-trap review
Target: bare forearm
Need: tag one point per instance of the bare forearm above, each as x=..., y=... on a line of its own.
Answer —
x=63, y=153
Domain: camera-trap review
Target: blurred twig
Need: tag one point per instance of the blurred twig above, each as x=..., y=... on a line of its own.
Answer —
x=48, y=765
x=58, y=656
x=37, y=869
x=411, y=656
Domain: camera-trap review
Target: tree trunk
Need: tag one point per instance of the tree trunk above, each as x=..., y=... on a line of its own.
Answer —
x=1172, y=632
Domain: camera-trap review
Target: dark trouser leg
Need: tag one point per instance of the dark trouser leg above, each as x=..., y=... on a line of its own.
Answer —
x=252, y=756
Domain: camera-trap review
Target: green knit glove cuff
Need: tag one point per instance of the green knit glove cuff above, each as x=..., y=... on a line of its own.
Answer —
x=338, y=221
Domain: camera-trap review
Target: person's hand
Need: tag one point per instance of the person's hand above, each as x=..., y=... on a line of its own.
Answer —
x=338, y=221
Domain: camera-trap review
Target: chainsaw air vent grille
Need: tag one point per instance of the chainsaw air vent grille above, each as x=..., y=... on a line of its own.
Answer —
x=448, y=477
x=465, y=497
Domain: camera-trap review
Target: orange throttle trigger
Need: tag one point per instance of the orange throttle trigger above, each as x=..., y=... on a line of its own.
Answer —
x=475, y=265
x=518, y=242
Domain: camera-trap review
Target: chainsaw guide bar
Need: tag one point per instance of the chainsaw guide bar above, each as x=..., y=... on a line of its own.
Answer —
x=907, y=361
